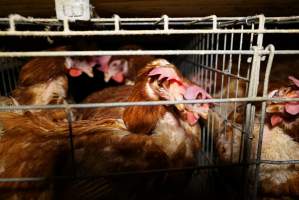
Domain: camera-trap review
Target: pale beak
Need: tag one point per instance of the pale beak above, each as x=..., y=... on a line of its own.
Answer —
x=87, y=70
x=180, y=107
x=201, y=110
x=275, y=108
x=107, y=76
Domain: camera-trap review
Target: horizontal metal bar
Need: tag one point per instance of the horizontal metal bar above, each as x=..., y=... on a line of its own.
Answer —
x=124, y=52
x=138, y=52
x=284, y=52
x=23, y=179
x=31, y=19
x=16, y=19
x=202, y=167
x=226, y=73
x=140, y=32
x=146, y=103
x=218, y=71
x=282, y=18
x=279, y=162
x=141, y=19
x=123, y=24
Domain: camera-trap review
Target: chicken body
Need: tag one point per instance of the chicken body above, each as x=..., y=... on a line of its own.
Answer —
x=131, y=139
x=279, y=143
x=275, y=180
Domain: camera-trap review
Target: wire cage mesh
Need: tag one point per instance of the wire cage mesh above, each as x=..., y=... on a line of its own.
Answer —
x=226, y=56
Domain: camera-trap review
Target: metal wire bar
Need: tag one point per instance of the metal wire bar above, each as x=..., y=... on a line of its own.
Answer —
x=13, y=75
x=262, y=119
x=71, y=141
x=200, y=61
x=250, y=108
x=141, y=32
x=210, y=166
x=154, y=19
x=115, y=21
x=211, y=90
x=204, y=84
x=222, y=80
x=228, y=82
x=3, y=84
x=146, y=103
x=238, y=71
x=145, y=22
x=140, y=52
x=232, y=123
x=10, y=87
x=207, y=88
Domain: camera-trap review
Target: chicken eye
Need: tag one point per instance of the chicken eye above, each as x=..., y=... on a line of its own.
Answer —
x=160, y=83
x=283, y=92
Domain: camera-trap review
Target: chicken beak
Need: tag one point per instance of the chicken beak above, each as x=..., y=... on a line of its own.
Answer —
x=202, y=110
x=275, y=108
x=180, y=107
x=107, y=76
x=198, y=110
x=88, y=71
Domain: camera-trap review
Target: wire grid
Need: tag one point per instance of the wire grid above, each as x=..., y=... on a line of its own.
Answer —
x=213, y=58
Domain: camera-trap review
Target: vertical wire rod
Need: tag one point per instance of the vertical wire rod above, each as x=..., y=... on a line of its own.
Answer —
x=71, y=141
x=263, y=113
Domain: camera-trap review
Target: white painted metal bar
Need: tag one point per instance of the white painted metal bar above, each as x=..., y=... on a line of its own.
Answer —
x=139, y=52
x=212, y=17
x=141, y=32
x=147, y=103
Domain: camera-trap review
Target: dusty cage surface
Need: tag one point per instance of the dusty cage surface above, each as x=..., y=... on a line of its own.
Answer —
x=212, y=51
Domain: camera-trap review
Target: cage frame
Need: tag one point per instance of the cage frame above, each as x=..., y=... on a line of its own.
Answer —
x=257, y=52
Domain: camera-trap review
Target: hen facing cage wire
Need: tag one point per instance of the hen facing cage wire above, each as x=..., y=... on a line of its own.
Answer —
x=220, y=51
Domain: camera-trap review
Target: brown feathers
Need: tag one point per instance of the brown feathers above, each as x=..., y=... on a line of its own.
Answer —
x=104, y=141
x=111, y=94
x=42, y=69
x=54, y=91
x=147, y=115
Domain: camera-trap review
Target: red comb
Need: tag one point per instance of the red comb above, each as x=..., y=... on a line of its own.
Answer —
x=295, y=81
x=165, y=72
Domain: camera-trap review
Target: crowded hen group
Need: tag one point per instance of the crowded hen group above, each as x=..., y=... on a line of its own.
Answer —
x=35, y=142
x=104, y=140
